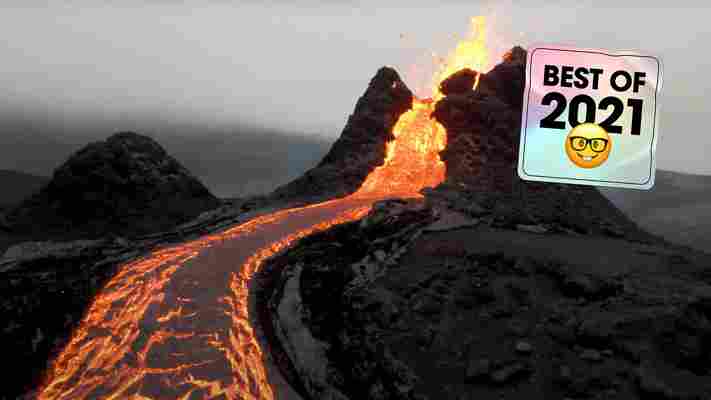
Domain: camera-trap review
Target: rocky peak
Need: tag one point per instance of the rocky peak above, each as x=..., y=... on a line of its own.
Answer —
x=461, y=81
x=361, y=146
x=125, y=184
x=507, y=80
x=483, y=126
x=483, y=133
x=517, y=55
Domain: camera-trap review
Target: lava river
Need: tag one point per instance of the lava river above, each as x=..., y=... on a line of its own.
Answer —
x=178, y=323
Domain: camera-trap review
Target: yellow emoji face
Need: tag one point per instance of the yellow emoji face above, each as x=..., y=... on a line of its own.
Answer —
x=588, y=145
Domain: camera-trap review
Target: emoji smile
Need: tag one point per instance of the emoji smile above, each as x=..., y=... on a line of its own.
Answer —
x=587, y=158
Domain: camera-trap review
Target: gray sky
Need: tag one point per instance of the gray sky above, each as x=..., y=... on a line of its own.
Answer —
x=300, y=68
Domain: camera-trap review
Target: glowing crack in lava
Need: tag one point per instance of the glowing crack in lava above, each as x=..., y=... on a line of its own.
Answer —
x=177, y=324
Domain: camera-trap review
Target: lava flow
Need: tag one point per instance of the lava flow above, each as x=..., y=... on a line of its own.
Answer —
x=412, y=159
x=178, y=323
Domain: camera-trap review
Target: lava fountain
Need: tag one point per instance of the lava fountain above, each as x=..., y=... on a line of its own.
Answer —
x=177, y=324
x=412, y=160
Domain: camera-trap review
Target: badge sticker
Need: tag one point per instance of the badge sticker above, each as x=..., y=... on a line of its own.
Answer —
x=590, y=117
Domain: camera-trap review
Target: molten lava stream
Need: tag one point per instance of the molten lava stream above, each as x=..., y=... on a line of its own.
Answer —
x=176, y=324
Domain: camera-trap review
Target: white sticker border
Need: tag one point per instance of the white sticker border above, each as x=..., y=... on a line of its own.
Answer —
x=581, y=181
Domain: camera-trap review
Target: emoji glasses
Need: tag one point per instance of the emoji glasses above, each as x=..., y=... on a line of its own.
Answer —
x=578, y=143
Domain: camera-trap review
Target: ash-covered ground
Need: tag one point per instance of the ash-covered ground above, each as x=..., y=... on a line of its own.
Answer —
x=425, y=300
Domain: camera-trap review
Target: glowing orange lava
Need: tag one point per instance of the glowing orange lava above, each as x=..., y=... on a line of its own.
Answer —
x=135, y=344
x=412, y=159
x=177, y=323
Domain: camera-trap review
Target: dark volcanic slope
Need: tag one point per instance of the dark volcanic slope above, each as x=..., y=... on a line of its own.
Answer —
x=479, y=312
x=361, y=146
x=125, y=185
x=16, y=186
x=677, y=208
x=671, y=189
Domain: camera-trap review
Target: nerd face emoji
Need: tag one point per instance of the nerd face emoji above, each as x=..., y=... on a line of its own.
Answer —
x=588, y=145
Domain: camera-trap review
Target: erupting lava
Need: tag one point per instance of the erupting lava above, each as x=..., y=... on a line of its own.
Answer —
x=178, y=323
x=412, y=159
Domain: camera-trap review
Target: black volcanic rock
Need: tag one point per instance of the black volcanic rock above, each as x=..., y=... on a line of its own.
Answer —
x=483, y=127
x=459, y=82
x=464, y=310
x=507, y=80
x=125, y=185
x=481, y=156
x=361, y=146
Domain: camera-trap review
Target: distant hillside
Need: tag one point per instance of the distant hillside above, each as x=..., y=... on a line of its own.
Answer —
x=127, y=184
x=678, y=207
x=16, y=186
x=231, y=161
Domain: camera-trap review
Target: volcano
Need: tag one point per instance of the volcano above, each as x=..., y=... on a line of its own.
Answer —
x=125, y=185
x=420, y=267
x=189, y=333
x=489, y=286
